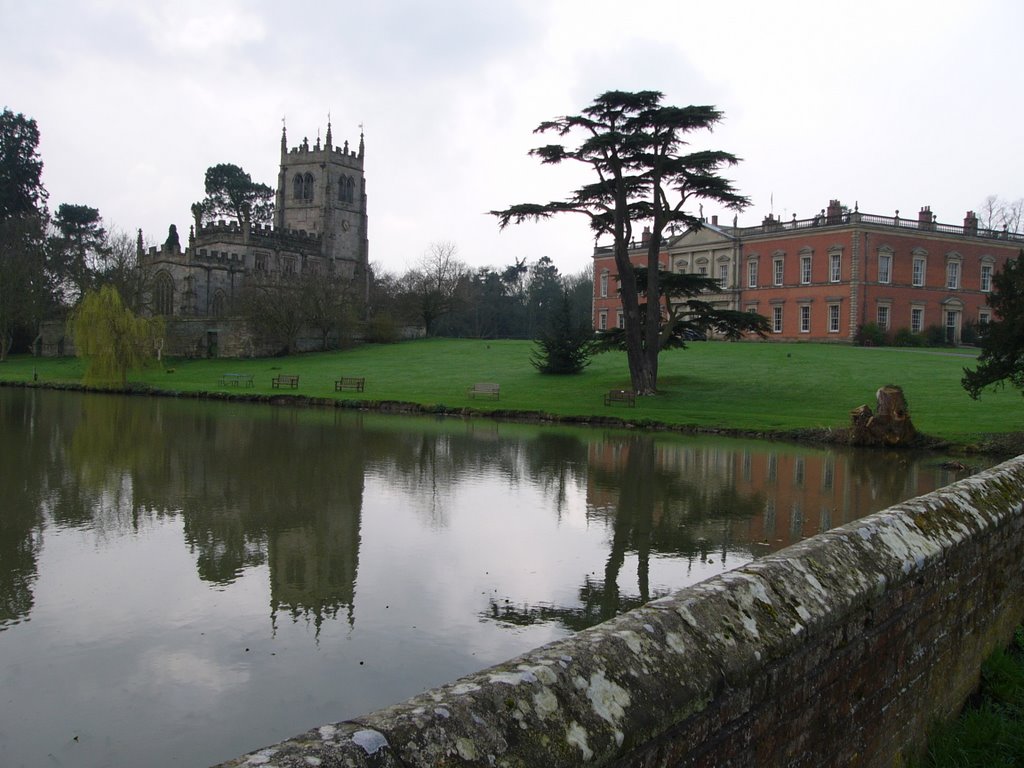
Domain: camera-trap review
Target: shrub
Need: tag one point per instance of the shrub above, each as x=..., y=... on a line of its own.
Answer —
x=904, y=337
x=935, y=336
x=870, y=335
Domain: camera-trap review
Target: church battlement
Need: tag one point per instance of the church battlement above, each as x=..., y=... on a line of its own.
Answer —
x=303, y=153
x=233, y=230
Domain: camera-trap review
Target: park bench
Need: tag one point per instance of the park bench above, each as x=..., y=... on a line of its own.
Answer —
x=356, y=383
x=485, y=389
x=236, y=380
x=623, y=396
x=285, y=380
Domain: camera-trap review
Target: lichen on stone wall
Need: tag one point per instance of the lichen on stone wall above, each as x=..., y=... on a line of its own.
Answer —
x=636, y=685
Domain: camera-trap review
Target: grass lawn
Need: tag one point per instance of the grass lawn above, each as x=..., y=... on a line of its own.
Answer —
x=747, y=386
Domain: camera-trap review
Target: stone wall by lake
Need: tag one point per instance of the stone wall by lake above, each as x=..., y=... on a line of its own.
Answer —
x=840, y=650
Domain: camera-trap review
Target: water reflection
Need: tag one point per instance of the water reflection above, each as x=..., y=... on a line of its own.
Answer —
x=148, y=548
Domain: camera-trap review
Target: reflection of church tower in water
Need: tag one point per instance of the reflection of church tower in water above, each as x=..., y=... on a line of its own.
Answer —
x=313, y=565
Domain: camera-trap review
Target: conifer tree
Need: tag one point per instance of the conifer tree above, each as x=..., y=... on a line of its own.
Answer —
x=633, y=143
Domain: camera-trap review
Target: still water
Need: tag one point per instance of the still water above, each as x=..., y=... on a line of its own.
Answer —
x=181, y=582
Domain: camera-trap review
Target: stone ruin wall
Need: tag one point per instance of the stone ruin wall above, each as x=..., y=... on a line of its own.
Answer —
x=838, y=651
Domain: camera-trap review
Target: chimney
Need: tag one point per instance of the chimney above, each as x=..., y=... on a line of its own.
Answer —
x=714, y=220
x=971, y=223
x=834, y=214
x=925, y=218
x=645, y=238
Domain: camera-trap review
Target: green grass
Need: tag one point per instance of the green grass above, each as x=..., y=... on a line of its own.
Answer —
x=990, y=732
x=745, y=386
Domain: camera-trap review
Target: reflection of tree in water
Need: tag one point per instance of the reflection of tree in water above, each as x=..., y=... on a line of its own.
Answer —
x=651, y=505
x=26, y=465
x=253, y=487
x=431, y=465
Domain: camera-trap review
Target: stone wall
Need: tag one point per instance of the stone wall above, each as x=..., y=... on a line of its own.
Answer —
x=838, y=651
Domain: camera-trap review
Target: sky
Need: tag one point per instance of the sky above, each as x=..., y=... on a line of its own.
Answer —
x=887, y=105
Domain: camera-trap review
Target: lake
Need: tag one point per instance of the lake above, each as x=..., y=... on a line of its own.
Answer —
x=184, y=581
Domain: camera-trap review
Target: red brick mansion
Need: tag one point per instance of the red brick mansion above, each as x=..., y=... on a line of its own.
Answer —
x=820, y=279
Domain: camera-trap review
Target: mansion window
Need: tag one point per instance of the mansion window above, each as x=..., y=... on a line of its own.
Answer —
x=916, y=319
x=805, y=318
x=723, y=274
x=918, y=275
x=833, y=318
x=805, y=270
x=777, y=318
x=620, y=321
x=777, y=271
x=702, y=270
x=986, y=277
x=884, y=267
x=604, y=284
x=953, y=275
x=602, y=320
x=835, y=267
x=984, y=317
x=752, y=274
x=882, y=316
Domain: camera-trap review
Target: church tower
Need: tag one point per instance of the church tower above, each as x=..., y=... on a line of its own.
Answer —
x=322, y=190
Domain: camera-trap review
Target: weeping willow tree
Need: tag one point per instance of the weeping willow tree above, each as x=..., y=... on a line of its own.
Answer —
x=111, y=338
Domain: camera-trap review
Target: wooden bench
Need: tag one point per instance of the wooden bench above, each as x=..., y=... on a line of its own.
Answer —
x=285, y=380
x=624, y=396
x=485, y=389
x=356, y=383
x=236, y=380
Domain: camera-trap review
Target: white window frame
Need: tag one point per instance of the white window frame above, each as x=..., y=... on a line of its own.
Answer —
x=885, y=268
x=602, y=320
x=916, y=313
x=953, y=275
x=778, y=270
x=723, y=275
x=986, y=278
x=883, y=316
x=805, y=318
x=604, y=284
x=917, y=277
x=805, y=270
x=833, y=318
x=752, y=273
x=835, y=267
x=777, y=318
x=620, y=319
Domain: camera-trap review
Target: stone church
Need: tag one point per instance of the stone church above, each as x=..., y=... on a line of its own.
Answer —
x=319, y=227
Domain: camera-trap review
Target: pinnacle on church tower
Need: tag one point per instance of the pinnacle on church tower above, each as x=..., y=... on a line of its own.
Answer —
x=362, y=147
x=284, y=137
x=328, y=143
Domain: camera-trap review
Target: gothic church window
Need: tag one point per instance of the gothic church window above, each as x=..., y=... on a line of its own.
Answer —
x=350, y=189
x=219, y=304
x=307, y=187
x=163, y=294
x=297, y=186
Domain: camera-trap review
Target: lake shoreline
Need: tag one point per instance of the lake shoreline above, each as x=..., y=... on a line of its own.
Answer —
x=1005, y=445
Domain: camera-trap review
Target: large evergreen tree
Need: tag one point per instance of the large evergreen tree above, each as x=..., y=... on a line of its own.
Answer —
x=26, y=291
x=21, y=168
x=1002, y=340
x=231, y=193
x=633, y=144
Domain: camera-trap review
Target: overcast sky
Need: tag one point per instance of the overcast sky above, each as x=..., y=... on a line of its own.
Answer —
x=892, y=105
